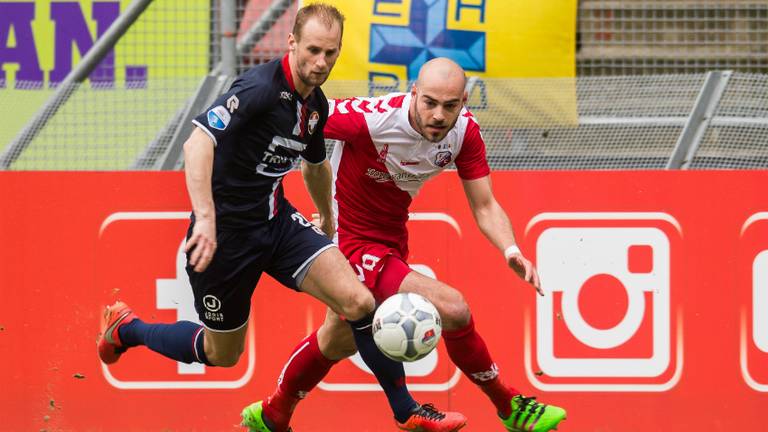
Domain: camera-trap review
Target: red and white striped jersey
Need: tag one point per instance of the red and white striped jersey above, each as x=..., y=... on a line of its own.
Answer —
x=380, y=162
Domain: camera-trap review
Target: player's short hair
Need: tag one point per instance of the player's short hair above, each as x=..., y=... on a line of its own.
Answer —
x=326, y=13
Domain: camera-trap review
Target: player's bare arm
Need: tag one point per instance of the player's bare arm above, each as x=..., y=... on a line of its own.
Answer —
x=198, y=166
x=495, y=225
x=318, y=178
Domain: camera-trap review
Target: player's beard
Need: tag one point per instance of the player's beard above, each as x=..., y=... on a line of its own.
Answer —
x=432, y=136
x=312, y=79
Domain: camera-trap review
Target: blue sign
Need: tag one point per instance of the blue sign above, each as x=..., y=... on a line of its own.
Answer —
x=425, y=38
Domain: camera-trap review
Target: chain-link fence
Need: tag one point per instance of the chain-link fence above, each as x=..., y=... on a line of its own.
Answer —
x=129, y=100
x=612, y=122
x=738, y=136
x=634, y=37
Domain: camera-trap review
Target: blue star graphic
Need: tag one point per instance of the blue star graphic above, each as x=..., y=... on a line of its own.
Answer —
x=425, y=38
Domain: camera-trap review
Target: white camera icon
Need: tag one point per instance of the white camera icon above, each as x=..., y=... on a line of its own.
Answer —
x=753, y=355
x=567, y=258
x=760, y=301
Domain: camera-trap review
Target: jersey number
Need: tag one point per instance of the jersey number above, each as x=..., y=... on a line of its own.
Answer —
x=298, y=217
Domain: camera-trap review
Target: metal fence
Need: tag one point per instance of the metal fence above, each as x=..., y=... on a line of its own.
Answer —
x=634, y=37
x=105, y=123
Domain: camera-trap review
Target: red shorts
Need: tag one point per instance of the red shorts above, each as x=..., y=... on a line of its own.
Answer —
x=378, y=267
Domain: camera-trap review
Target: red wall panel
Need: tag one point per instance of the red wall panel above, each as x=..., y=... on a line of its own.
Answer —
x=656, y=314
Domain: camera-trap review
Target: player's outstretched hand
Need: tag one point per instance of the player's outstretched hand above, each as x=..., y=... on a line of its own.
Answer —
x=324, y=223
x=526, y=270
x=202, y=243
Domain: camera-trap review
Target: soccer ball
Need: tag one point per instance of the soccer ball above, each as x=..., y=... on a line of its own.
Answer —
x=406, y=327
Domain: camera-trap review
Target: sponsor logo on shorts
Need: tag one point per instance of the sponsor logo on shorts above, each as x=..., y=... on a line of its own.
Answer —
x=212, y=306
x=212, y=303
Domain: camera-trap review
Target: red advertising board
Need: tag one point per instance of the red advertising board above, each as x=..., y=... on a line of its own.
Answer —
x=655, y=318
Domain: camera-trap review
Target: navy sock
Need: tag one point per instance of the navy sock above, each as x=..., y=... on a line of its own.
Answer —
x=181, y=341
x=389, y=373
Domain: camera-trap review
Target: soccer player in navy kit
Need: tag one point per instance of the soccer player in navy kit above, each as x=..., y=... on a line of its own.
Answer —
x=241, y=224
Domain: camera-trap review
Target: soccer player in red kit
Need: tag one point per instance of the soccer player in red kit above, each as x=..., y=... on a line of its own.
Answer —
x=386, y=148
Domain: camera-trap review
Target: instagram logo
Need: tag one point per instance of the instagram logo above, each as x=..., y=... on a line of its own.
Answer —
x=754, y=323
x=606, y=322
x=760, y=301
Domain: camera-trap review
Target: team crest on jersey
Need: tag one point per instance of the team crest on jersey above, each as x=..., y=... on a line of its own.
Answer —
x=218, y=117
x=443, y=158
x=383, y=154
x=312, y=123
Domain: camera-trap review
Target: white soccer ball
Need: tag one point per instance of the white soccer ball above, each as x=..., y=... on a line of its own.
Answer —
x=406, y=327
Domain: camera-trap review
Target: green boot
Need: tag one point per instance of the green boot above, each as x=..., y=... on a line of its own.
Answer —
x=530, y=416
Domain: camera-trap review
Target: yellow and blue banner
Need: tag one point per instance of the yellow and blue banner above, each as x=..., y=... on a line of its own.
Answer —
x=523, y=51
x=489, y=38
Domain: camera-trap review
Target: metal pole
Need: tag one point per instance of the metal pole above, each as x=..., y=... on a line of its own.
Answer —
x=210, y=88
x=64, y=90
x=257, y=31
x=214, y=85
x=228, y=38
x=699, y=120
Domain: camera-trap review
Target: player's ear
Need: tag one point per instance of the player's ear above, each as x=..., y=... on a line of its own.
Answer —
x=464, y=97
x=291, y=42
x=413, y=90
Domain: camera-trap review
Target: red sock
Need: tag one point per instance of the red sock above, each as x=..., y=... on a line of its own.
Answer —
x=306, y=367
x=469, y=353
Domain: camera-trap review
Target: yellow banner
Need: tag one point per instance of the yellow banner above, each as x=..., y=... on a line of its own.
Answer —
x=489, y=38
x=386, y=41
x=42, y=40
x=153, y=68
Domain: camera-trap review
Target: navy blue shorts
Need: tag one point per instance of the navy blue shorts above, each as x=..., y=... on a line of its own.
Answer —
x=284, y=247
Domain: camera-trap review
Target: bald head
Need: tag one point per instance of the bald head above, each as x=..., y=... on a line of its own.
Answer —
x=437, y=98
x=442, y=72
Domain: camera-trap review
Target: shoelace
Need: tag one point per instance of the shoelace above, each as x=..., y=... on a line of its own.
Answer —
x=528, y=404
x=429, y=411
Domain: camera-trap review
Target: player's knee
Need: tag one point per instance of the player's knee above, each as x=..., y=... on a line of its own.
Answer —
x=455, y=314
x=358, y=305
x=224, y=358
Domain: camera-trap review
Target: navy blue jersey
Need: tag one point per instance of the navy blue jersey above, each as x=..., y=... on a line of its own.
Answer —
x=260, y=127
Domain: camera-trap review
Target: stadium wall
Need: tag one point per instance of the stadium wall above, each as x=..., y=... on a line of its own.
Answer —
x=682, y=347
